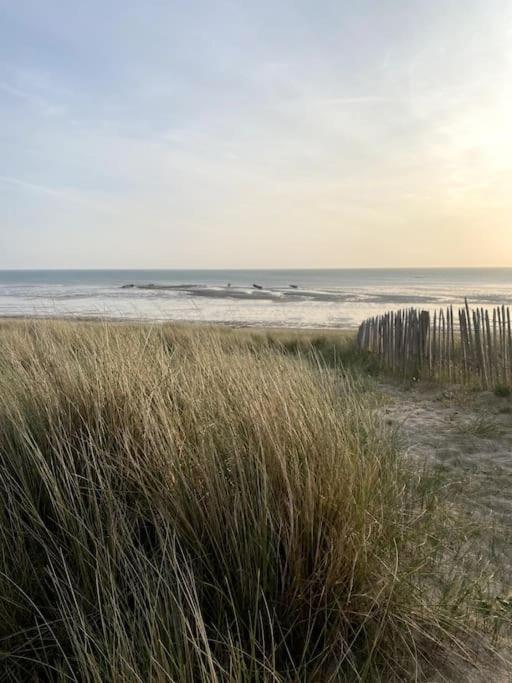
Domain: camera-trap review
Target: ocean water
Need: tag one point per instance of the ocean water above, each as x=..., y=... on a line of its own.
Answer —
x=327, y=298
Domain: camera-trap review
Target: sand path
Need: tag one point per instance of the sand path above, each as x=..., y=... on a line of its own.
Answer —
x=468, y=438
x=467, y=435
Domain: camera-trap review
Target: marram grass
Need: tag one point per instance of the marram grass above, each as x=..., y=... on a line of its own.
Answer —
x=192, y=505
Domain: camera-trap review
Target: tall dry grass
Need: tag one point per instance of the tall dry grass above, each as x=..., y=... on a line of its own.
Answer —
x=188, y=505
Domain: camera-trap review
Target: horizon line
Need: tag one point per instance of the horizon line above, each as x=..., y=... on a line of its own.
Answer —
x=252, y=268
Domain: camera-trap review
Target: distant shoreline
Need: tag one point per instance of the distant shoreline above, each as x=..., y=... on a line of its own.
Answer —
x=234, y=325
x=288, y=299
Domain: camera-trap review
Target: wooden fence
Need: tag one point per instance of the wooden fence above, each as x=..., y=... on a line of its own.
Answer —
x=472, y=347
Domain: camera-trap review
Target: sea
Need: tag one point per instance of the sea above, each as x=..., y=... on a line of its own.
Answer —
x=324, y=298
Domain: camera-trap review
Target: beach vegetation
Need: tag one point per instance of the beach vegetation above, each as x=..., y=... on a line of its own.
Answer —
x=502, y=390
x=190, y=504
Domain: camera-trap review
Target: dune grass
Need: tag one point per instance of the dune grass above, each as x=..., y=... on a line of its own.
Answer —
x=193, y=505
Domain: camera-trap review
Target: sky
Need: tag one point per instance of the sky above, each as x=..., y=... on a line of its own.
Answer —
x=319, y=133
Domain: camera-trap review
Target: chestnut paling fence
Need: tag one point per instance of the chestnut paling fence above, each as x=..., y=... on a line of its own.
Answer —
x=472, y=346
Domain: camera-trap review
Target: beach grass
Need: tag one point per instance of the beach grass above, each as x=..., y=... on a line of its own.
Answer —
x=188, y=504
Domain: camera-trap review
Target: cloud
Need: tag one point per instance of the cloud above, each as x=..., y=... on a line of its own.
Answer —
x=61, y=194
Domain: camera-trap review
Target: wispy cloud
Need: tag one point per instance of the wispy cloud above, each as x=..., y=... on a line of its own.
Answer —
x=62, y=194
x=34, y=100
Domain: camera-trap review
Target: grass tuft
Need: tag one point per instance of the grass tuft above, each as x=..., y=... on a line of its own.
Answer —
x=502, y=391
x=196, y=505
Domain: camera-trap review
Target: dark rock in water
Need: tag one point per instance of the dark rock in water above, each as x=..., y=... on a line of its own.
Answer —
x=148, y=286
x=294, y=286
x=257, y=286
